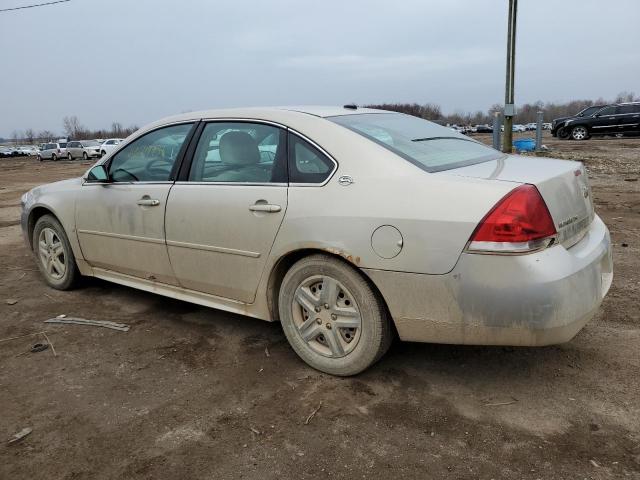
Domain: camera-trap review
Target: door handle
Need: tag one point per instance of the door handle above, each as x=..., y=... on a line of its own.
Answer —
x=148, y=202
x=265, y=207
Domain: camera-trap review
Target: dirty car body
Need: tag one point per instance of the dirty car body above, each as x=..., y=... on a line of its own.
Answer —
x=422, y=215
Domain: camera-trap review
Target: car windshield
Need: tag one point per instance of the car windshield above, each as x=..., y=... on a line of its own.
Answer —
x=63, y=145
x=90, y=143
x=429, y=146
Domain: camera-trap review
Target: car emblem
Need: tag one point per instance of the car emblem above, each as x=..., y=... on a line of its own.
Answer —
x=345, y=180
x=585, y=191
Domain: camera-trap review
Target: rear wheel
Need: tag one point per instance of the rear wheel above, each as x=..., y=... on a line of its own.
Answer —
x=331, y=316
x=53, y=253
x=579, y=133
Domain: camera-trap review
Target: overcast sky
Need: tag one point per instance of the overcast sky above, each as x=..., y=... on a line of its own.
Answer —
x=135, y=61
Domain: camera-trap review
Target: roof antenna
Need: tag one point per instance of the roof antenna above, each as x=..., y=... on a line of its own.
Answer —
x=351, y=106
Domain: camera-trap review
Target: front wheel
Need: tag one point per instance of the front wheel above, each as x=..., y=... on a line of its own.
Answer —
x=54, y=157
x=579, y=133
x=53, y=253
x=85, y=156
x=39, y=158
x=562, y=133
x=69, y=156
x=332, y=317
x=103, y=153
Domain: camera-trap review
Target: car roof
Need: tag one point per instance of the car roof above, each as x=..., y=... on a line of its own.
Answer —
x=269, y=112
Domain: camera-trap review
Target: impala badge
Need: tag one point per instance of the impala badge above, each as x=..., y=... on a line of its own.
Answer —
x=345, y=180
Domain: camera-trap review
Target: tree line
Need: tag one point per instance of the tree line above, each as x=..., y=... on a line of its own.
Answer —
x=526, y=113
x=73, y=130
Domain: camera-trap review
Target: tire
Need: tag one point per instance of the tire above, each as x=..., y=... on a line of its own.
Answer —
x=39, y=158
x=331, y=349
x=53, y=254
x=85, y=157
x=103, y=153
x=69, y=156
x=54, y=157
x=562, y=133
x=579, y=133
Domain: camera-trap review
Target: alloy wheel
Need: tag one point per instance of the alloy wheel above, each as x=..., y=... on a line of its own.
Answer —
x=579, y=133
x=326, y=316
x=52, y=254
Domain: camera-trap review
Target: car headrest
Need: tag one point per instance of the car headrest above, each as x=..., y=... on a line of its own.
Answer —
x=239, y=148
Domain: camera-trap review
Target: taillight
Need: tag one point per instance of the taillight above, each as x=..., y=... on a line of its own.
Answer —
x=519, y=223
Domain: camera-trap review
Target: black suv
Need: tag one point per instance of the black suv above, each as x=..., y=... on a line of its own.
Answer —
x=620, y=118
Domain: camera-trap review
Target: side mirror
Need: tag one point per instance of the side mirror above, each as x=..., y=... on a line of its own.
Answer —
x=98, y=174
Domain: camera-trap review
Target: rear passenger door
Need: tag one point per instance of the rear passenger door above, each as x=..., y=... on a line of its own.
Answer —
x=224, y=212
x=629, y=118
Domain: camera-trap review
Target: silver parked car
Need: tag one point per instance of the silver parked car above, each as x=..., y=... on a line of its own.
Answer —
x=341, y=223
x=83, y=148
x=53, y=151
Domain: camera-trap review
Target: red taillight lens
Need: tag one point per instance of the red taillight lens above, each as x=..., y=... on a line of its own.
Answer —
x=519, y=222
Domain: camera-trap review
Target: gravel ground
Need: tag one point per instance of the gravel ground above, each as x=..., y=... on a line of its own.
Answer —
x=190, y=392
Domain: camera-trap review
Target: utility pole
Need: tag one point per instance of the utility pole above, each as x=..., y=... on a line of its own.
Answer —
x=509, y=97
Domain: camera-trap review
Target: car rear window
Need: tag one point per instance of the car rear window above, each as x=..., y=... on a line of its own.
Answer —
x=431, y=147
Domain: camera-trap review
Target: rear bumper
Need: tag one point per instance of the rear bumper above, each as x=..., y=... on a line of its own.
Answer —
x=530, y=300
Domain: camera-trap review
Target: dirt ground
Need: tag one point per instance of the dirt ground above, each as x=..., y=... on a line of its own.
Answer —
x=190, y=392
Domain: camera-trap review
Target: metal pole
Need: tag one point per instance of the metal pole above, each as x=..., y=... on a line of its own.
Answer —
x=509, y=97
x=539, y=121
x=497, y=121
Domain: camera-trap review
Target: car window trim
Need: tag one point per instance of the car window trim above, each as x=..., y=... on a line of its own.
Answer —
x=183, y=175
x=322, y=151
x=176, y=165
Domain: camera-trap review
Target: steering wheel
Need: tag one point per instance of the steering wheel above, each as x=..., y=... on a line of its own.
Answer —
x=153, y=169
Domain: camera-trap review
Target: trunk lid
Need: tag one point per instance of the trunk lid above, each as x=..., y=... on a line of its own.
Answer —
x=564, y=186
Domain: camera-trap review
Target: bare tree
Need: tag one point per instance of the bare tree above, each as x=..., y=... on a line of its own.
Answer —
x=116, y=129
x=45, y=135
x=29, y=135
x=16, y=136
x=72, y=127
x=625, y=97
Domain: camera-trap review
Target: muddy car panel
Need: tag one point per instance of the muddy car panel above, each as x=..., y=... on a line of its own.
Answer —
x=435, y=289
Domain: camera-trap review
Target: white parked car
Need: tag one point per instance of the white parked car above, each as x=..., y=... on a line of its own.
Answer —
x=519, y=128
x=339, y=223
x=109, y=145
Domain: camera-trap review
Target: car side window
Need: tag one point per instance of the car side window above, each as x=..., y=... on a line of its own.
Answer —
x=307, y=164
x=240, y=152
x=607, y=111
x=151, y=157
x=629, y=109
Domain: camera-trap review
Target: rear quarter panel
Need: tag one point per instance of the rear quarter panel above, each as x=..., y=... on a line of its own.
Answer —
x=435, y=214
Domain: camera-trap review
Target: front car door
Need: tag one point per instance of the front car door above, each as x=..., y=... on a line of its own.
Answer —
x=225, y=210
x=120, y=224
x=605, y=121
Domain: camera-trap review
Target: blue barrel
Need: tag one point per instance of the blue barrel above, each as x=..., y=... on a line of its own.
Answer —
x=525, y=145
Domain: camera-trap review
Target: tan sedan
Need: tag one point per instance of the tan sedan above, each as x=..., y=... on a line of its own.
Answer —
x=347, y=225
